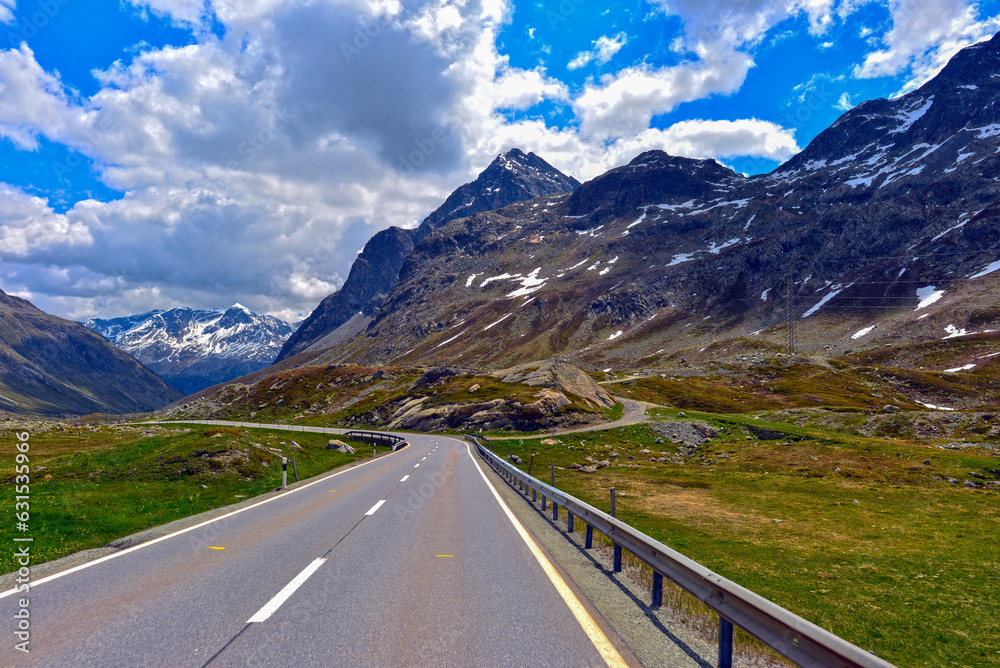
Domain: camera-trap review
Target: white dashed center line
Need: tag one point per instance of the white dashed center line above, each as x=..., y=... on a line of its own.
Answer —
x=375, y=507
x=289, y=589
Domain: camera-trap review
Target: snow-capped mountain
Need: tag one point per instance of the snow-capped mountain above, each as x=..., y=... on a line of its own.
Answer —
x=194, y=349
x=512, y=177
x=884, y=231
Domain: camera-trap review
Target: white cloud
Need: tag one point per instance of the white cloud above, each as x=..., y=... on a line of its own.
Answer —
x=28, y=226
x=624, y=103
x=7, y=11
x=522, y=89
x=604, y=50
x=844, y=102
x=712, y=139
x=715, y=24
x=32, y=101
x=925, y=34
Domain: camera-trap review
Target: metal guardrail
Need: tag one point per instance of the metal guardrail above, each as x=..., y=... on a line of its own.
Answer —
x=377, y=438
x=796, y=639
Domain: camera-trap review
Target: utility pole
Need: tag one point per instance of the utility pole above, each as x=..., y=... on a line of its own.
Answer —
x=790, y=314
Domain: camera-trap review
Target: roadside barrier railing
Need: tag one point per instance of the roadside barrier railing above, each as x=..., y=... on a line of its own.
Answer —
x=800, y=641
x=377, y=438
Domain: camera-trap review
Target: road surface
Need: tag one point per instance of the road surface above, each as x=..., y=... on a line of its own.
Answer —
x=407, y=560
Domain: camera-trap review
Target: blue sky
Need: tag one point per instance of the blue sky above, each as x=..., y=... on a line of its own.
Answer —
x=156, y=153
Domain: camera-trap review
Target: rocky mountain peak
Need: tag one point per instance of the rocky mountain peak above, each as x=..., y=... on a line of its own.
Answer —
x=653, y=177
x=513, y=176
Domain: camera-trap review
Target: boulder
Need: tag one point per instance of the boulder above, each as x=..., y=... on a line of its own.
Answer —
x=334, y=444
x=558, y=375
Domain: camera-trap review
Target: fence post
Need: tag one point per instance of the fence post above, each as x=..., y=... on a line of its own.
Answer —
x=295, y=470
x=555, y=506
x=618, y=548
x=725, y=643
x=530, y=462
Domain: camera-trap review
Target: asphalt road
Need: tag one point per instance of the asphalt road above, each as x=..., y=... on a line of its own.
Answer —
x=407, y=560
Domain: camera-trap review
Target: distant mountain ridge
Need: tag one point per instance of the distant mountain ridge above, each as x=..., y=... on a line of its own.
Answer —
x=52, y=366
x=512, y=177
x=885, y=230
x=194, y=349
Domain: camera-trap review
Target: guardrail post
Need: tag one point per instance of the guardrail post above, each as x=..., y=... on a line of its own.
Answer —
x=569, y=522
x=534, y=495
x=555, y=506
x=618, y=548
x=657, y=590
x=589, y=543
x=543, y=501
x=725, y=643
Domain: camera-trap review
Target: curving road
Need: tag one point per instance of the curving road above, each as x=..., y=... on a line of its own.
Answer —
x=411, y=559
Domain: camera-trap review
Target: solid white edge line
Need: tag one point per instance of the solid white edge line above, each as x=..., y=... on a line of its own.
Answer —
x=590, y=627
x=60, y=574
x=374, y=508
x=271, y=606
x=403, y=479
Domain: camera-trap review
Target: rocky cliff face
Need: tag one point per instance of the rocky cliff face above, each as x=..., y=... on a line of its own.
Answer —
x=194, y=349
x=884, y=230
x=51, y=366
x=513, y=177
x=372, y=277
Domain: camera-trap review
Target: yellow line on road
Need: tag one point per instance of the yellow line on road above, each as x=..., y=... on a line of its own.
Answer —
x=590, y=627
x=216, y=548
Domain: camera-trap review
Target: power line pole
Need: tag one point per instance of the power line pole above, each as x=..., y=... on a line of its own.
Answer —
x=790, y=314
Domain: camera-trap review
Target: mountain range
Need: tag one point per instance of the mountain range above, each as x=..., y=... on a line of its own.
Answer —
x=51, y=366
x=194, y=349
x=884, y=230
x=882, y=234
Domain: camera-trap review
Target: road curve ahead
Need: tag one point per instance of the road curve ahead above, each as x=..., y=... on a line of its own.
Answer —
x=407, y=560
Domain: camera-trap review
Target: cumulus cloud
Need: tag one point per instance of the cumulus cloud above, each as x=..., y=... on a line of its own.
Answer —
x=32, y=101
x=925, y=34
x=624, y=103
x=604, y=50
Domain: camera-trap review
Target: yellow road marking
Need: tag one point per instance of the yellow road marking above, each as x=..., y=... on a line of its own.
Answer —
x=216, y=548
x=590, y=627
x=444, y=555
